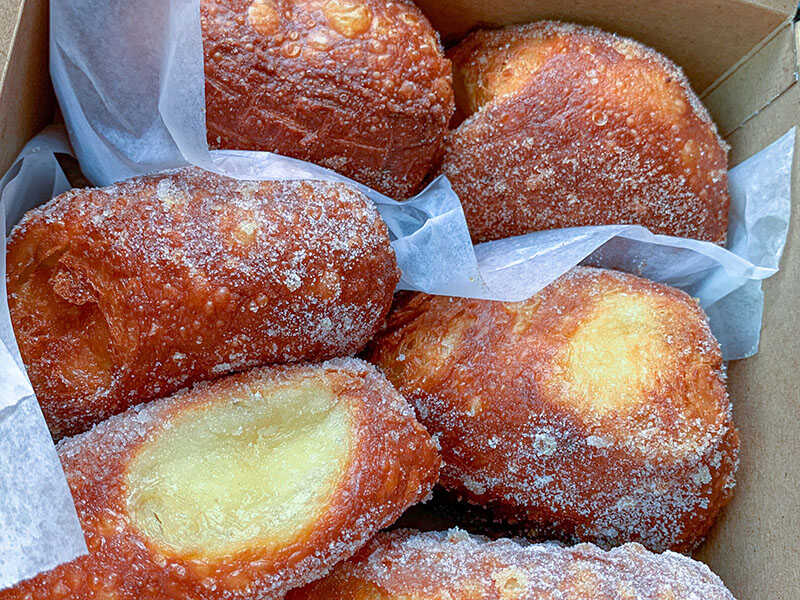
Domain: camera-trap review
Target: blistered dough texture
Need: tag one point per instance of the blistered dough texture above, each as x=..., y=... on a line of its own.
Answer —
x=455, y=565
x=594, y=411
x=127, y=293
x=568, y=126
x=160, y=532
x=359, y=86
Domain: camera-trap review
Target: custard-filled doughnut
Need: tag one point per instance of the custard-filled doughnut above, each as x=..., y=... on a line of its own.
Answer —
x=128, y=293
x=239, y=489
x=458, y=566
x=594, y=411
x=359, y=86
x=569, y=126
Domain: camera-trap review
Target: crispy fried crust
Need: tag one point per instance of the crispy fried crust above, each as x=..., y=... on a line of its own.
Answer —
x=595, y=411
x=391, y=464
x=359, y=86
x=127, y=293
x=583, y=128
x=458, y=566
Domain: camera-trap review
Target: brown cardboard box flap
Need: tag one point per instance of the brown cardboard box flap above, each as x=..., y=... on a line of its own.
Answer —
x=766, y=74
x=754, y=547
x=26, y=97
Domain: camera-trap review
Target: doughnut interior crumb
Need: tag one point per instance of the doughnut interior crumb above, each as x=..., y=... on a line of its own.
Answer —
x=253, y=468
x=616, y=354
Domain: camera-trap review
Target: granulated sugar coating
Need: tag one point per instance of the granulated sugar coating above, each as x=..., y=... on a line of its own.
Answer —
x=127, y=293
x=595, y=411
x=359, y=86
x=570, y=126
x=457, y=566
x=279, y=472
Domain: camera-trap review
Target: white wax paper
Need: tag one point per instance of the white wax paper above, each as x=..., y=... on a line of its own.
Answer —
x=727, y=282
x=39, y=528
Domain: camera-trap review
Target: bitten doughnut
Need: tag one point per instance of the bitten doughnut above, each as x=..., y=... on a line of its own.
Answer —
x=594, y=411
x=569, y=126
x=128, y=293
x=457, y=566
x=239, y=489
x=359, y=86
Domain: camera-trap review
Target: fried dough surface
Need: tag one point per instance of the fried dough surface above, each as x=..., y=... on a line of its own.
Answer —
x=359, y=86
x=455, y=565
x=127, y=293
x=242, y=488
x=569, y=126
x=594, y=411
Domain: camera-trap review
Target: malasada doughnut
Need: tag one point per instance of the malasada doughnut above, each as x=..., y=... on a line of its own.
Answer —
x=128, y=293
x=359, y=86
x=239, y=489
x=458, y=566
x=594, y=411
x=569, y=126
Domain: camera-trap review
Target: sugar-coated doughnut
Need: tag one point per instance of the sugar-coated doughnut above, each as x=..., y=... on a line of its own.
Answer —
x=239, y=489
x=594, y=411
x=359, y=86
x=458, y=566
x=128, y=293
x=569, y=126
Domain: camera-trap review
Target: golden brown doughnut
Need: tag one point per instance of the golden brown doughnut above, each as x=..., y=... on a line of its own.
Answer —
x=128, y=293
x=359, y=86
x=457, y=566
x=570, y=126
x=594, y=411
x=239, y=489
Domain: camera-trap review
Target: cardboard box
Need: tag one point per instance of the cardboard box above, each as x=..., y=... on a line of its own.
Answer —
x=741, y=57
